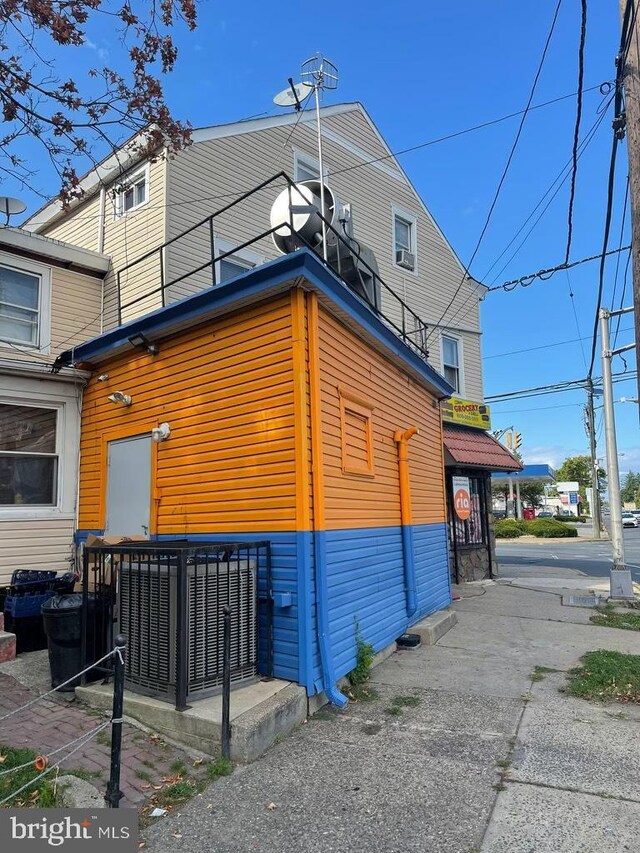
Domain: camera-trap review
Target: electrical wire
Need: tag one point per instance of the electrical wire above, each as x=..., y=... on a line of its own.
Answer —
x=543, y=346
x=618, y=133
x=572, y=299
x=368, y=162
x=507, y=165
x=566, y=385
x=576, y=132
x=545, y=274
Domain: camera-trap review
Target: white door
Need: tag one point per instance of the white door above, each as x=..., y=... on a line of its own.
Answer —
x=129, y=487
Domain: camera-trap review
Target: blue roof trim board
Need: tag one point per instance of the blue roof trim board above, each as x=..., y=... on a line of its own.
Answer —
x=530, y=472
x=251, y=285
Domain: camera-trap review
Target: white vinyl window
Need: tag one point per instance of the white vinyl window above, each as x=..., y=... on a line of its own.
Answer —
x=452, y=362
x=28, y=456
x=24, y=304
x=306, y=167
x=234, y=264
x=404, y=240
x=132, y=192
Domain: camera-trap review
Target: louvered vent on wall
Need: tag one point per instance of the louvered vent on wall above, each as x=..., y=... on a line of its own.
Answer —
x=147, y=616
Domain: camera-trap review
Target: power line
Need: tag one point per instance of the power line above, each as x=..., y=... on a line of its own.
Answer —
x=576, y=132
x=543, y=346
x=507, y=165
x=572, y=299
x=618, y=135
x=559, y=177
x=398, y=153
x=558, y=387
x=545, y=275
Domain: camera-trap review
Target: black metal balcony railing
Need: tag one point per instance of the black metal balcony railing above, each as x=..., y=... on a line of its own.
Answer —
x=167, y=598
x=409, y=327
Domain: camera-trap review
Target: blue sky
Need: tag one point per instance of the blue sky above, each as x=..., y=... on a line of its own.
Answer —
x=424, y=70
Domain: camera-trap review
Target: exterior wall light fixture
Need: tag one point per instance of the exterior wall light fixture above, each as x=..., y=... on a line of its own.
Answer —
x=161, y=433
x=140, y=341
x=119, y=397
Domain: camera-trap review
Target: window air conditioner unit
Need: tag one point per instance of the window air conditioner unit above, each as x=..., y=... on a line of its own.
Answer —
x=147, y=613
x=405, y=259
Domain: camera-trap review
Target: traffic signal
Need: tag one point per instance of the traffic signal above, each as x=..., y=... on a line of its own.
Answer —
x=517, y=440
x=509, y=439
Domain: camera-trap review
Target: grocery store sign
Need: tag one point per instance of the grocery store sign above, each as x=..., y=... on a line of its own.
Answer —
x=465, y=412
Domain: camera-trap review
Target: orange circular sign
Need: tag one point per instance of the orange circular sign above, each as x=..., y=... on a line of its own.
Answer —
x=462, y=504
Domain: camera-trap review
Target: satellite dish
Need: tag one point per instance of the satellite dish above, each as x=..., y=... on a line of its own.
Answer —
x=11, y=206
x=293, y=95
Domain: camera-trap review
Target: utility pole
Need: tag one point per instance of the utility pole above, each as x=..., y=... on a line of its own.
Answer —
x=595, y=509
x=621, y=584
x=631, y=82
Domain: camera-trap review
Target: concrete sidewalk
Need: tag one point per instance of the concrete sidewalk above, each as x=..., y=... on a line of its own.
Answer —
x=480, y=757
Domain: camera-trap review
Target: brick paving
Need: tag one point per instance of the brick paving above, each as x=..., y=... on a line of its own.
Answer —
x=49, y=724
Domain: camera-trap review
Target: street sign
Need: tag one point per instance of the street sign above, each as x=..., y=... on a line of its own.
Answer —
x=568, y=486
x=573, y=498
x=461, y=497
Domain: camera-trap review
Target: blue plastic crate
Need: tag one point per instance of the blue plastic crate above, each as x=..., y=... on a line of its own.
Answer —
x=19, y=606
x=31, y=580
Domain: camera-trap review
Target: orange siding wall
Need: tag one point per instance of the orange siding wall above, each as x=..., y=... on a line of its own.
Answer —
x=226, y=388
x=352, y=500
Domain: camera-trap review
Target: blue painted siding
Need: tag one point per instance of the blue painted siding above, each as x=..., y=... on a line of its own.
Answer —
x=284, y=578
x=431, y=557
x=366, y=583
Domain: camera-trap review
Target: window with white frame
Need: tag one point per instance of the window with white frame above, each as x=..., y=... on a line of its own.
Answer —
x=24, y=304
x=452, y=362
x=305, y=167
x=404, y=240
x=132, y=191
x=233, y=264
x=28, y=456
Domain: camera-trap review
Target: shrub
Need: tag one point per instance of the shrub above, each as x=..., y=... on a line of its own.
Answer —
x=508, y=528
x=580, y=519
x=547, y=528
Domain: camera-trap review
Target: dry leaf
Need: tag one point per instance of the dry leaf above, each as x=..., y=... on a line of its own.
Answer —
x=3, y=758
x=177, y=835
x=272, y=807
x=198, y=762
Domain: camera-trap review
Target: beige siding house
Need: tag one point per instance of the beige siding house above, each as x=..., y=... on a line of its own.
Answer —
x=50, y=299
x=131, y=208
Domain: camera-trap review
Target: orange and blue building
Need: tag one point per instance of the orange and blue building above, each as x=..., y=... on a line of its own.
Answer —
x=297, y=416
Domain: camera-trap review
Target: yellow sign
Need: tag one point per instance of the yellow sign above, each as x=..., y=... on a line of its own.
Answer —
x=466, y=413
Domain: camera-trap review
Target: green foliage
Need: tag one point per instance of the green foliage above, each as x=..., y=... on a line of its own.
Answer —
x=532, y=493
x=543, y=528
x=508, y=528
x=606, y=676
x=547, y=528
x=630, y=488
x=607, y=617
x=364, y=658
x=579, y=468
x=40, y=795
x=406, y=701
x=581, y=519
x=219, y=767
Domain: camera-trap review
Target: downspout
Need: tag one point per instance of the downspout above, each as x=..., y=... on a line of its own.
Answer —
x=101, y=217
x=319, y=534
x=402, y=439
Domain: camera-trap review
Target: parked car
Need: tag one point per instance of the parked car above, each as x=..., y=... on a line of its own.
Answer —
x=499, y=513
x=545, y=514
x=629, y=519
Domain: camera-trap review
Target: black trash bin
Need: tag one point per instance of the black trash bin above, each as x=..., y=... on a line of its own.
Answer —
x=62, y=618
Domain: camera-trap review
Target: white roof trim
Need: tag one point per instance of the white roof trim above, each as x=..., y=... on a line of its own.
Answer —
x=28, y=369
x=21, y=240
x=237, y=128
x=114, y=165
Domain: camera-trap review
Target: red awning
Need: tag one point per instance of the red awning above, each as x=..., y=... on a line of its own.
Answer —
x=478, y=449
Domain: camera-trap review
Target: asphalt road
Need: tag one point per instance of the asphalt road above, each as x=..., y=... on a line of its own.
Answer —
x=591, y=558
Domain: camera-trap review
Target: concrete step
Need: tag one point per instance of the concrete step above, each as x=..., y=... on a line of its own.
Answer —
x=7, y=646
x=435, y=626
x=1, y=621
x=261, y=712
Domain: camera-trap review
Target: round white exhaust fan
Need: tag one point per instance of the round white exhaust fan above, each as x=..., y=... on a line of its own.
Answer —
x=299, y=207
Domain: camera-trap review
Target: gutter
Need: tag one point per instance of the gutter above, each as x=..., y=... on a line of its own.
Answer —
x=319, y=534
x=402, y=439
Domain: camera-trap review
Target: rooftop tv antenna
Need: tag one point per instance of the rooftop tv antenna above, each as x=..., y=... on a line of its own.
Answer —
x=11, y=206
x=318, y=74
